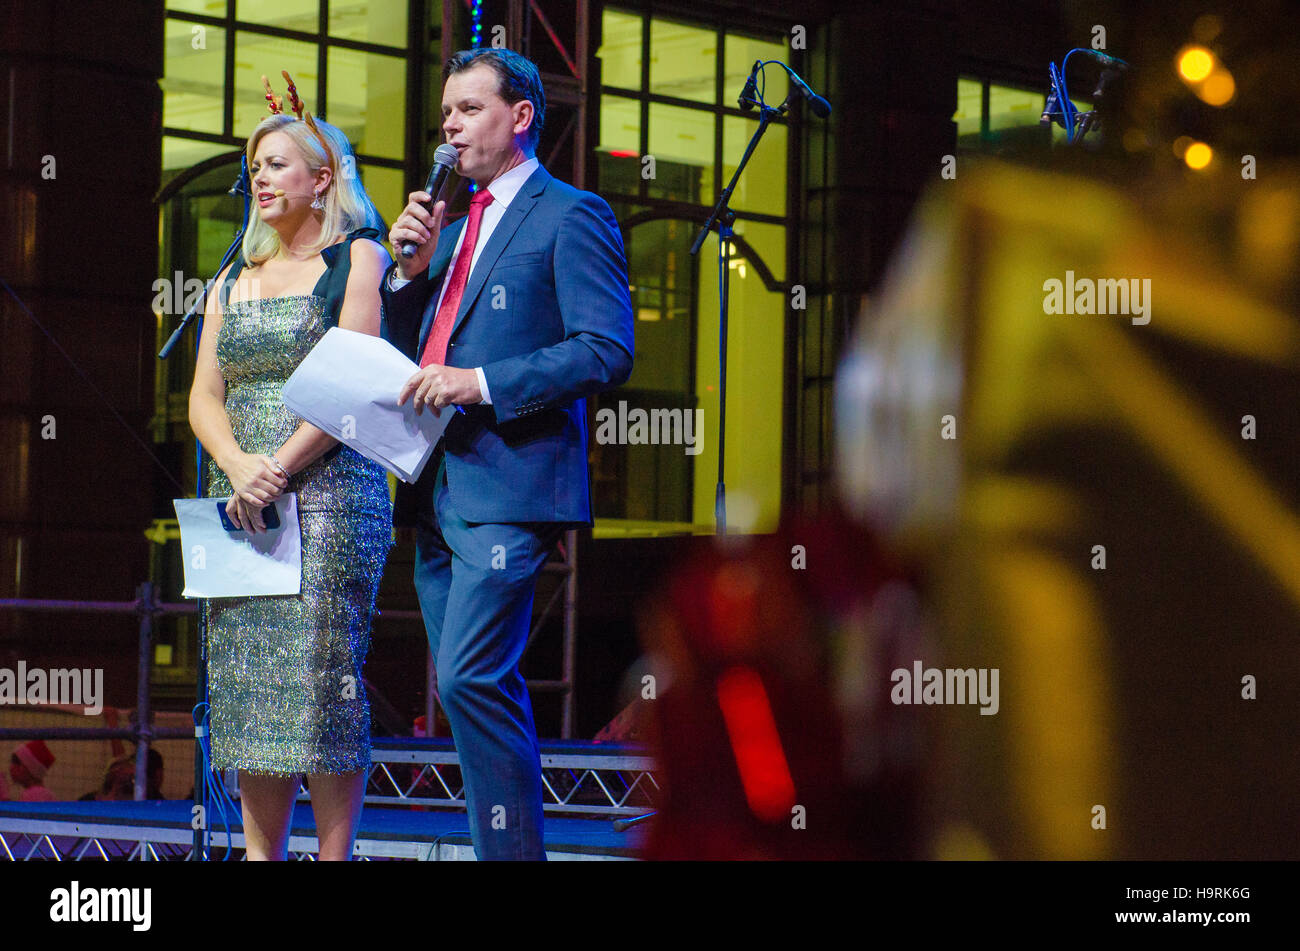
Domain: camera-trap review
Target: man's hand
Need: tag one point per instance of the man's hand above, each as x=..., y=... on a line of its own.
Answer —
x=438, y=386
x=417, y=224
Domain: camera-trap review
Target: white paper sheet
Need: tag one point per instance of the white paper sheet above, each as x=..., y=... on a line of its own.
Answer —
x=348, y=386
x=222, y=564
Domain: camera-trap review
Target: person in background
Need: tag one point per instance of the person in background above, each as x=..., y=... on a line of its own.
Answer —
x=118, y=785
x=27, y=768
x=119, y=780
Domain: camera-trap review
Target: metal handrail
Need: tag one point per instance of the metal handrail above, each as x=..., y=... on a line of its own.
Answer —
x=147, y=606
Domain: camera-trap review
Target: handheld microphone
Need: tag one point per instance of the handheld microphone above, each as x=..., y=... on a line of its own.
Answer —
x=445, y=158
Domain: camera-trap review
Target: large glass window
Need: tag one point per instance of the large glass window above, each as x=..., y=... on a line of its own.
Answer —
x=671, y=136
x=683, y=61
x=193, y=94
x=349, y=65
x=370, y=21
x=991, y=116
x=366, y=92
x=258, y=55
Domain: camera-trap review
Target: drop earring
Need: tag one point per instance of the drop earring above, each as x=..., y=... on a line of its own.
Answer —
x=316, y=202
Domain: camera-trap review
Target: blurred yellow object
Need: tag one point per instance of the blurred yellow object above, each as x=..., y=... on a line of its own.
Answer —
x=959, y=842
x=1207, y=77
x=1095, y=502
x=1195, y=63
x=1218, y=89
x=1198, y=155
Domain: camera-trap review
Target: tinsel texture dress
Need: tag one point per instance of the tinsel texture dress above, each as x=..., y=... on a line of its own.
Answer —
x=284, y=672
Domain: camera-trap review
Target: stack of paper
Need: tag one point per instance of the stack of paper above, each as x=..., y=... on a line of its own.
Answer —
x=348, y=385
x=222, y=564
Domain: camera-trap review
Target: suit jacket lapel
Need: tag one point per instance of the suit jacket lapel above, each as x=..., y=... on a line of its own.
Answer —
x=438, y=265
x=520, y=206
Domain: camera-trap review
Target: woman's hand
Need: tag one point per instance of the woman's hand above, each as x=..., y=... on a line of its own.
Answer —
x=246, y=517
x=255, y=479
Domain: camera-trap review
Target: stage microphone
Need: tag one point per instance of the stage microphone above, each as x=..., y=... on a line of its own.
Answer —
x=445, y=158
x=747, y=94
x=820, y=107
x=1106, y=60
x=1051, y=109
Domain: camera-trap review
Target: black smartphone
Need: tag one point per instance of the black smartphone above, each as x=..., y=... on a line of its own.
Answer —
x=270, y=518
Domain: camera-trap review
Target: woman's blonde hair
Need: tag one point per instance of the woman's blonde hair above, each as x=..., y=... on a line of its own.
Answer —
x=347, y=206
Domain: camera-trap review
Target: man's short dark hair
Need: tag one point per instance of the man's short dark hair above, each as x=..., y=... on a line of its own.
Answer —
x=518, y=78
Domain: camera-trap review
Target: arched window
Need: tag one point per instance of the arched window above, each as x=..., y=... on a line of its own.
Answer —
x=670, y=138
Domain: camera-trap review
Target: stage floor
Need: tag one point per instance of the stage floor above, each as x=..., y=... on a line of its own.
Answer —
x=161, y=829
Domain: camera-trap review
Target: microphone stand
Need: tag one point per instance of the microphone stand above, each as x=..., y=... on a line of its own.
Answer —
x=201, y=778
x=239, y=188
x=724, y=218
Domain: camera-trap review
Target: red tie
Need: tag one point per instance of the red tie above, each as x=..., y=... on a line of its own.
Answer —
x=435, y=350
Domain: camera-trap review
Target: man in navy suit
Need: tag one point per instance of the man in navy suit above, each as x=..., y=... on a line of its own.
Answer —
x=515, y=314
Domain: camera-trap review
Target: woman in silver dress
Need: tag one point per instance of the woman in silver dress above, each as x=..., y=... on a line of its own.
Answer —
x=284, y=672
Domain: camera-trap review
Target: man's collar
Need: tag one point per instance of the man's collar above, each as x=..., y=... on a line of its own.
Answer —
x=506, y=185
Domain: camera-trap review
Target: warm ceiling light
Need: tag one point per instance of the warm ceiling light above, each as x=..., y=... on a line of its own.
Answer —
x=1207, y=27
x=1218, y=89
x=1198, y=155
x=1135, y=140
x=1195, y=63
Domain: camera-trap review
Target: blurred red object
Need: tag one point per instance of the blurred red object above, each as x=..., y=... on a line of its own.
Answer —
x=773, y=730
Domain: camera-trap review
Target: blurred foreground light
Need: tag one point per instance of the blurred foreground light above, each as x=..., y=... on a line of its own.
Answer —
x=1181, y=144
x=1218, y=89
x=1195, y=63
x=764, y=772
x=1207, y=27
x=1198, y=155
x=1135, y=140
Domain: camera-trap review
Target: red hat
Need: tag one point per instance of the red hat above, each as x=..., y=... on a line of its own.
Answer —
x=36, y=756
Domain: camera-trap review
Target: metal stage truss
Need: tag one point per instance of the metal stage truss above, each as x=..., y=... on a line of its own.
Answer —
x=578, y=778
x=160, y=831
x=415, y=812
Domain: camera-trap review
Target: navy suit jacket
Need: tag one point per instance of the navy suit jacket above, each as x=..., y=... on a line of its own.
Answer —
x=548, y=316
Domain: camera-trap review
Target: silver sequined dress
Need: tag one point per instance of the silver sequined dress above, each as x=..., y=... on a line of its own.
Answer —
x=284, y=672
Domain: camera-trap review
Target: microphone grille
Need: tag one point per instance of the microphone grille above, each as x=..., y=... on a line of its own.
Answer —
x=446, y=155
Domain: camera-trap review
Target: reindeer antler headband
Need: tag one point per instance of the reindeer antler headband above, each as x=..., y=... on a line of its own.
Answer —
x=276, y=105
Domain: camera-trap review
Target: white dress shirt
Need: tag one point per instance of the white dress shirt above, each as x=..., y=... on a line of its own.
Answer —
x=504, y=188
